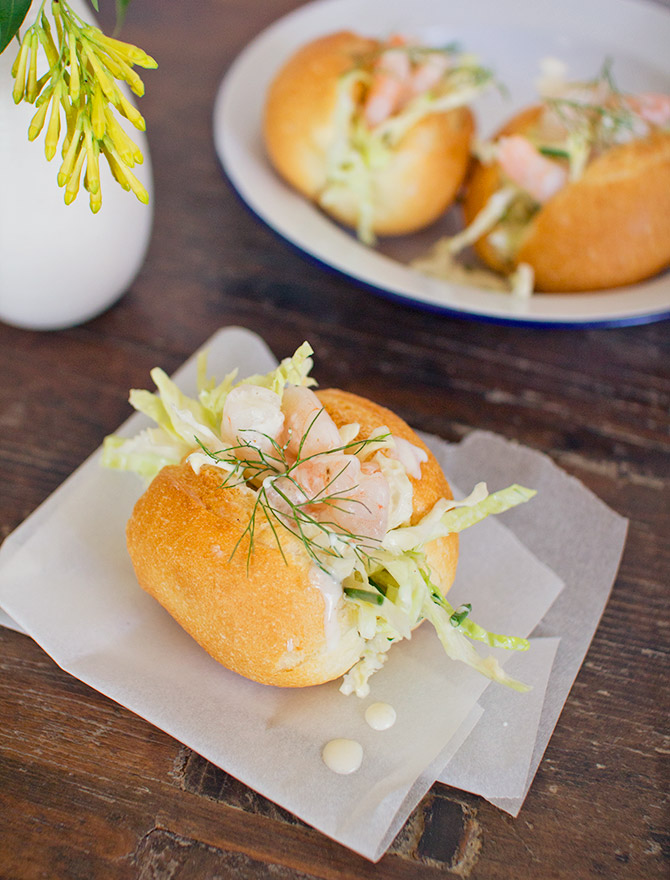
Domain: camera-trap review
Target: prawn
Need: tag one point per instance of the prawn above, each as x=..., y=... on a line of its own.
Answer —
x=307, y=427
x=324, y=484
x=396, y=80
x=528, y=168
x=347, y=498
x=428, y=74
x=252, y=419
x=652, y=107
x=390, y=85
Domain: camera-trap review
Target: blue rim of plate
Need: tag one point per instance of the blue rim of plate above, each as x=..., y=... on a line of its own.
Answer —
x=421, y=305
x=228, y=85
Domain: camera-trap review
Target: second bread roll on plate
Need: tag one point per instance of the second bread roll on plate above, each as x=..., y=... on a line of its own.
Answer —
x=588, y=175
x=377, y=134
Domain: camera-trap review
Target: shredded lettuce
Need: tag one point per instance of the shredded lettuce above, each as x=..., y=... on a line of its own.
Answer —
x=457, y=646
x=355, y=681
x=394, y=129
x=409, y=598
x=188, y=418
x=485, y=220
x=503, y=219
x=457, y=519
x=388, y=587
x=146, y=454
x=449, y=516
x=400, y=571
x=292, y=371
x=185, y=424
x=357, y=151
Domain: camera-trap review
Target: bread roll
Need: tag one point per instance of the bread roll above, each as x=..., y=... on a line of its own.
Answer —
x=272, y=617
x=409, y=188
x=610, y=227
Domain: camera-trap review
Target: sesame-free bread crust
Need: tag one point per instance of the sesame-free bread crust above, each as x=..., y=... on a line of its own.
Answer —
x=425, y=169
x=262, y=614
x=607, y=229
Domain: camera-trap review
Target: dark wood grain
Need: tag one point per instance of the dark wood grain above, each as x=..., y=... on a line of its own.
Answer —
x=88, y=790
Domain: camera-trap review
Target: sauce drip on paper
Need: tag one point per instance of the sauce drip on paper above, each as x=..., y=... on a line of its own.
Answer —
x=343, y=756
x=380, y=716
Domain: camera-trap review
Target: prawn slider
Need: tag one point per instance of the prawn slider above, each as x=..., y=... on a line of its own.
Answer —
x=577, y=188
x=376, y=133
x=296, y=535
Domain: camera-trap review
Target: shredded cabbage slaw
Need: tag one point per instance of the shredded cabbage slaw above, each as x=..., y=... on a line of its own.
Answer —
x=388, y=588
x=578, y=122
x=357, y=150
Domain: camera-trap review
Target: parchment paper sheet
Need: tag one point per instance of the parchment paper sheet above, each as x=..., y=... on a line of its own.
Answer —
x=595, y=536
x=66, y=580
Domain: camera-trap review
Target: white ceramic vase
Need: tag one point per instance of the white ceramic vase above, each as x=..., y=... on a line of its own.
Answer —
x=61, y=265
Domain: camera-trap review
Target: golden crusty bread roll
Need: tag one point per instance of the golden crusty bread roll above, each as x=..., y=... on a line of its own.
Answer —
x=403, y=183
x=610, y=227
x=266, y=615
x=297, y=536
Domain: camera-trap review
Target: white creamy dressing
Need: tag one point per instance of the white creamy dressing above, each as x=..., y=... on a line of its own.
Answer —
x=342, y=756
x=411, y=457
x=331, y=591
x=380, y=716
x=401, y=494
x=441, y=263
x=197, y=460
x=349, y=432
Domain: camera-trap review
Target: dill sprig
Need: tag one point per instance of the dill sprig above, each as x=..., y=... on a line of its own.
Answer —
x=258, y=469
x=600, y=123
x=308, y=528
x=246, y=463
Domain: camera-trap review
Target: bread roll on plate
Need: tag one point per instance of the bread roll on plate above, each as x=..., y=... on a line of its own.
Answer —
x=578, y=188
x=297, y=536
x=376, y=133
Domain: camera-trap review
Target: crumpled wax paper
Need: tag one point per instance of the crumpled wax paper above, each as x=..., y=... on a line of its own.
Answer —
x=66, y=580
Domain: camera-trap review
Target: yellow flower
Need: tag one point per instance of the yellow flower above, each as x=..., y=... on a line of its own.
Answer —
x=86, y=70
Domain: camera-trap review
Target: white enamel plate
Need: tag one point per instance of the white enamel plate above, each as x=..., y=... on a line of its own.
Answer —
x=512, y=38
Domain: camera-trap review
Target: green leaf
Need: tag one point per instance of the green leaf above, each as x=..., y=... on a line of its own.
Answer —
x=460, y=518
x=12, y=13
x=94, y=4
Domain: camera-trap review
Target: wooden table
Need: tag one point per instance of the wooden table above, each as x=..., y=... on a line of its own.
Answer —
x=89, y=790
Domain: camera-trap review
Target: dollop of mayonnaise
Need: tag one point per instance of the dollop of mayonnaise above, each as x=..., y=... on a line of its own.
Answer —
x=342, y=756
x=331, y=591
x=410, y=456
x=380, y=716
